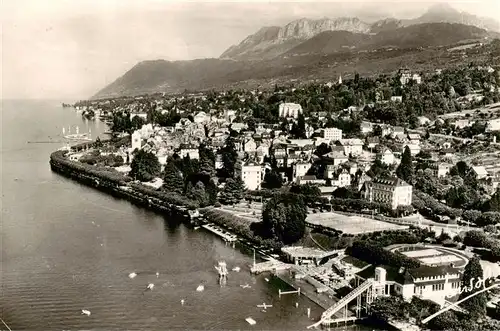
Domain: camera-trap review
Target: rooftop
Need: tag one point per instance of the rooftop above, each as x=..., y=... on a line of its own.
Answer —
x=394, y=181
x=299, y=251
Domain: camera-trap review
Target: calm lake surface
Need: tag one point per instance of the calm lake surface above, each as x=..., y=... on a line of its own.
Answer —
x=67, y=247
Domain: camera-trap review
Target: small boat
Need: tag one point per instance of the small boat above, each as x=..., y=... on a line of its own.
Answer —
x=132, y=275
x=200, y=288
x=237, y=269
x=266, y=279
x=264, y=306
x=245, y=286
x=196, y=227
x=86, y=312
x=150, y=286
x=250, y=321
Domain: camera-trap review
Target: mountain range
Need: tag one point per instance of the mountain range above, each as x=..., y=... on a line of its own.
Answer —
x=272, y=41
x=310, y=49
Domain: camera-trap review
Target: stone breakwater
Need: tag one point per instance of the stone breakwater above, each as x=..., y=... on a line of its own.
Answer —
x=117, y=185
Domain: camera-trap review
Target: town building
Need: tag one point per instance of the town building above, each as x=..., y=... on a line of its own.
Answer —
x=332, y=134
x=464, y=123
x=343, y=179
x=304, y=255
x=397, y=132
x=435, y=283
x=310, y=180
x=338, y=158
x=352, y=146
x=252, y=176
x=386, y=156
x=201, y=117
x=406, y=77
x=300, y=169
x=372, y=142
x=493, y=125
x=480, y=172
x=136, y=140
x=391, y=190
x=191, y=150
x=441, y=169
x=143, y=116
x=249, y=145
x=414, y=148
x=366, y=127
x=290, y=110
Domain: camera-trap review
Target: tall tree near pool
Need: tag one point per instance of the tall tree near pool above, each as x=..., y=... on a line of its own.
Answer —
x=405, y=169
x=229, y=157
x=172, y=178
x=284, y=218
x=233, y=191
x=475, y=305
x=145, y=166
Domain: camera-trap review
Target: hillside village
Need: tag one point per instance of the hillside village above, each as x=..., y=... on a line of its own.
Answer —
x=328, y=149
x=362, y=163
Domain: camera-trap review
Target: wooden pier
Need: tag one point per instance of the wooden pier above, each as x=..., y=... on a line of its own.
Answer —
x=221, y=233
x=280, y=292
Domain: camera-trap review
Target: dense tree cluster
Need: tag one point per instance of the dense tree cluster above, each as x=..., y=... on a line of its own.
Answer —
x=476, y=306
x=283, y=218
x=145, y=166
x=95, y=158
x=233, y=191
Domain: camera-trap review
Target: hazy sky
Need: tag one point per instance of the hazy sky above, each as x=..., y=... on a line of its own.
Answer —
x=69, y=49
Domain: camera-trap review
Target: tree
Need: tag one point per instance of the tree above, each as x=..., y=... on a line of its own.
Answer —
x=272, y=180
x=98, y=142
x=475, y=305
x=405, y=169
x=494, y=203
x=233, y=192
x=172, y=178
x=136, y=123
x=229, y=157
x=283, y=218
x=322, y=149
x=349, y=192
x=310, y=192
x=121, y=122
x=207, y=161
x=299, y=128
x=198, y=193
x=145, y=166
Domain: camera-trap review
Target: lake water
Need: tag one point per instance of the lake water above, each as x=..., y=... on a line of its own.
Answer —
x=67, y=247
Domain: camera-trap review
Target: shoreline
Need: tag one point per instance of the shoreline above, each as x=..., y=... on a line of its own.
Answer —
x=153, y=203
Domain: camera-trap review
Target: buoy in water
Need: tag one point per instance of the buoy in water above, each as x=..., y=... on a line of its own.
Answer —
x=157, y=274
x=182, y=302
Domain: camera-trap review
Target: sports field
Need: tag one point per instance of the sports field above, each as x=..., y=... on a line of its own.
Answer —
x=437, y=256
x=351, y=224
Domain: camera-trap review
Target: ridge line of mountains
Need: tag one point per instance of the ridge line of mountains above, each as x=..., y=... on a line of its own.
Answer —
x=273, y=41
x=311, y=49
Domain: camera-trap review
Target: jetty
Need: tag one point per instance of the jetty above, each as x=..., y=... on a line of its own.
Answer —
x=271, y=265
x=220, y=232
